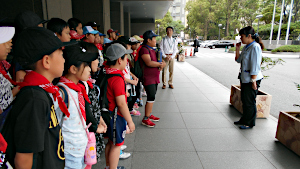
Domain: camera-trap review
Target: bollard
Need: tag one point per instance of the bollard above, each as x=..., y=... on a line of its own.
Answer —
x=191, y=52
x=226, y=49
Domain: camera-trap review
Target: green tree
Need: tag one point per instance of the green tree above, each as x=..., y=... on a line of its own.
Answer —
x=267, y=13
x=166, y=21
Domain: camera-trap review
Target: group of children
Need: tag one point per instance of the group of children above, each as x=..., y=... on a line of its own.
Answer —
x=55, y=93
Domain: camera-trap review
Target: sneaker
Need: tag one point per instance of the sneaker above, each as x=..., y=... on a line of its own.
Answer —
x=144, y=94
x=136, y=106
x=141, y=103
x=135, y=113
x=153, y=118
x=124, y=155
x=148, y=123
x=123, y=147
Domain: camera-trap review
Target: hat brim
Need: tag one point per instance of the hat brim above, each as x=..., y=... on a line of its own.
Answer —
x=128, y=51
x=94, y=32
x=6, y=34
x=44, y=21
x=101, y=34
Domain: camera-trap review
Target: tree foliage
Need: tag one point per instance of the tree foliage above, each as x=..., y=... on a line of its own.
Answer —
x=205, y=15
x=168, y=21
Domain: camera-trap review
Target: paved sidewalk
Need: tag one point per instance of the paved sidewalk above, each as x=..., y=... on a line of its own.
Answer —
x=196, y=130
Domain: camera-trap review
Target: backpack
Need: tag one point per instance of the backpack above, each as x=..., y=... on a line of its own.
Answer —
x=106, y=115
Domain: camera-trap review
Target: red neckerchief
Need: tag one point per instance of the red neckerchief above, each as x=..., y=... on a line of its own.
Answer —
x=90, y=82
x=75, y=35
x=137, y=53
x=81, y=93
x=99, y=46
x=33, y=78
x=4, y=66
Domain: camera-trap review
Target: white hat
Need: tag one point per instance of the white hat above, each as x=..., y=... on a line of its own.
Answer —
x=6, y=34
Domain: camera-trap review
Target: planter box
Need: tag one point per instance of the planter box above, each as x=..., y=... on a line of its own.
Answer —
x=263, y=101
x=288, y=130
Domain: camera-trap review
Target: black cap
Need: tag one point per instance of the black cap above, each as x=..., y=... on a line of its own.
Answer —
x=83, y=51
x=92, y=24
x=149, y=35
x=36, y=42
x=124, y=39
x=28, y=19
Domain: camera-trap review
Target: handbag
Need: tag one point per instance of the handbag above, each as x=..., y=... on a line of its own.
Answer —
x=90, y=155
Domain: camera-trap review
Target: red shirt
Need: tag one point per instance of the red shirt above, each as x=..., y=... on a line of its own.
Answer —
x=151, y=74
x=115, y=88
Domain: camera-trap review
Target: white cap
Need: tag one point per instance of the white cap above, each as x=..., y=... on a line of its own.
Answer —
x=6, y=33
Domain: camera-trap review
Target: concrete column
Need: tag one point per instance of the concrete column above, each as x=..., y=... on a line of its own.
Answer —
x=129, y=24
x=106, y=15
x=127, y=31
x=117, y=16
x=121, y=19
x=57, y=9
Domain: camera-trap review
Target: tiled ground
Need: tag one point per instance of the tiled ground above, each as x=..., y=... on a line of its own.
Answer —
x=196, y=131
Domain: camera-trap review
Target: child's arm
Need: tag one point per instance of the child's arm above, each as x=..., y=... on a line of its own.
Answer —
x=134, y=82
x=23, y=160
x=122, y=106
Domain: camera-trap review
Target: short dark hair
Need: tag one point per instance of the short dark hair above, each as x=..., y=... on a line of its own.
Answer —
x=170, y=28
x=73, y=23
x=57, y=25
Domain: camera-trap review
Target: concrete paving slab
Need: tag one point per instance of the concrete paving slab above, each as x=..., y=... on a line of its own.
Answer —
x=143, y=160
x=234, y=160
x=221, y=139
x=199, y=107
x=162, y=140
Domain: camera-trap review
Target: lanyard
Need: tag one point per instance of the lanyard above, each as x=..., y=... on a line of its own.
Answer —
x=171, y=46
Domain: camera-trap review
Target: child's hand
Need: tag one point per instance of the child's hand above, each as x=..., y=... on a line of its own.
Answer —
x=15, y=90
x=100, y=129
x=102, y=122
x=135, y=82
x=131, y=127
x=127, y=93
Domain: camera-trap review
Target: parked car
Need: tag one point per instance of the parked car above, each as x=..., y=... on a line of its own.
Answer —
x=221, y=44
x=206, y=43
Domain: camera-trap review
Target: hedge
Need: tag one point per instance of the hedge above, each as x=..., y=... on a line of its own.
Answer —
x=287, y=48
x=233, y=48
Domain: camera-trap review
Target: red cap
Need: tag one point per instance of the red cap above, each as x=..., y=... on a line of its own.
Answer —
x=141, y=36
x=111, y=30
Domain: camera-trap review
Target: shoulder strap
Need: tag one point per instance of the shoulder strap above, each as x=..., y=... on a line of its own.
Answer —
x=65, y=95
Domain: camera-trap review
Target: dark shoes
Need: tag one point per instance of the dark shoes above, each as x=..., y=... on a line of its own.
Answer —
x=238, y=123
x=164, y=86
x=246, y=127
x=171, y=86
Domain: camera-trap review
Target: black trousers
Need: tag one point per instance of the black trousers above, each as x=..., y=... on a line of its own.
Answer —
x=248, y=96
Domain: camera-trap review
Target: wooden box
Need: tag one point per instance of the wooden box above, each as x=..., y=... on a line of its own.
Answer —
x=288, y=130
x=180, y=58
x=263, y=101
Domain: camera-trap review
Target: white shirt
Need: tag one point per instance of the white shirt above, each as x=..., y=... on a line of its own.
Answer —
x=168, y=45
x=75, y=138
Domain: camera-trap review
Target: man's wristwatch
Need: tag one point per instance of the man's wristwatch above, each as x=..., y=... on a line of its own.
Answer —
x=253, y=80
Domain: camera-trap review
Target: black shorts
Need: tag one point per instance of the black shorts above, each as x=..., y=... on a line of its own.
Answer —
x=151, y=92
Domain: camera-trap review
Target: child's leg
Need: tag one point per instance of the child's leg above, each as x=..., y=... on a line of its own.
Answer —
x=107, y=150
x=114, y=156
x=72, y=162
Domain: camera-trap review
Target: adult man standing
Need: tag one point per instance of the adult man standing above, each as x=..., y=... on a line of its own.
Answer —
x=169, y=50
x=196, y=45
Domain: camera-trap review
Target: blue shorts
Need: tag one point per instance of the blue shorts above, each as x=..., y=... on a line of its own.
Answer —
x=72, y=162
x=116, y=130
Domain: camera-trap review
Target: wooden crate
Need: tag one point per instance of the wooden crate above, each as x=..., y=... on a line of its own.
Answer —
x=180, y=58
x=288, y=130
x=263, y=101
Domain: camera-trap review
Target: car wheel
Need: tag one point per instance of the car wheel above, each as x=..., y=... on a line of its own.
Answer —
x=213, y=47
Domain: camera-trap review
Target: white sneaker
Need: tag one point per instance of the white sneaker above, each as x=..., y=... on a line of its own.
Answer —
x=123, y=147
x=124, y=155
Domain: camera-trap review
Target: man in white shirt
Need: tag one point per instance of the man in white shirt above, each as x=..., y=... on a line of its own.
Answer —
x=169, y=50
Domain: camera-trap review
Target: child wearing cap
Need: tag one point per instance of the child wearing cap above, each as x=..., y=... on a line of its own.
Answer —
x=116, y=55
x=31, y=129
x=60, y=28
x=7, y=92
x=76, y=31
x=89, y=33
x=78, y=58
x=151, y=71
x=111, y=34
